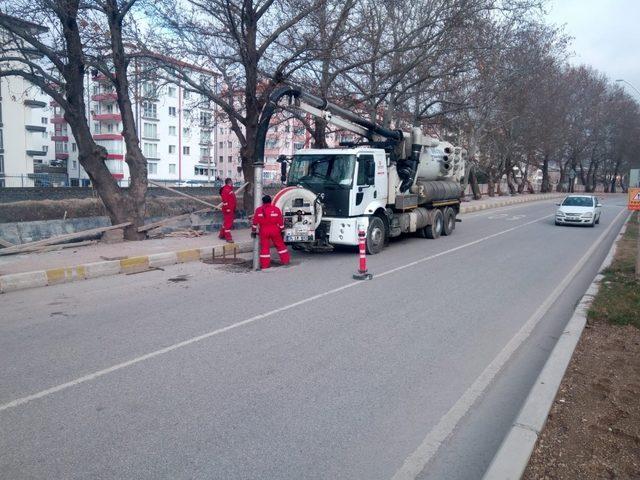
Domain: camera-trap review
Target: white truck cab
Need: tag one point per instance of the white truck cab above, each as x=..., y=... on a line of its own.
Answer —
x=350, y=183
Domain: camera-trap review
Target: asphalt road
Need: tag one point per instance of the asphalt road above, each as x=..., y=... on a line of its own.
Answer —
x=298, y=372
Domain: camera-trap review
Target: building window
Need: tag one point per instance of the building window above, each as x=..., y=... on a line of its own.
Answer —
x=221, y=158
x=171, y=91
x=1, y=163
x=230, y=144
x=149, y=90
x=153, y=168
x=44, y=120
x=45, y=148
x=96, y=127
x=172, y=168
x=150, y=130
x=45, y=134
x=205, y=119
x=205, y=137
x=186, y=131
x=204, y=152
x=74, y=164
x=110, y=127
x=228, y=173
x=172, y=111
x=149, y=110
x=221, y=130
x=221, y=144
x=74, y=147
x=172, y=131
x=172, y=149
x=230, y=159
x=186, y=150
x=187, y=94
x=150, y=150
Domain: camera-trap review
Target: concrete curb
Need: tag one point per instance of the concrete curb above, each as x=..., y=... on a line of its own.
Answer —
x=510, y=201
x=512, y=457
x=54, y=276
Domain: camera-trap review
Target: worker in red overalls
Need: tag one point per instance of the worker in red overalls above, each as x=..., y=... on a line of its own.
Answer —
x=228, y=210
x=269, y=220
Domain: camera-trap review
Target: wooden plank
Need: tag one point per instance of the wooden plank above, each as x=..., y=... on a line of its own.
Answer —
x=60, y=238
x=52, y=248
x=4, y=243
x=177, y=192
x=160, y=223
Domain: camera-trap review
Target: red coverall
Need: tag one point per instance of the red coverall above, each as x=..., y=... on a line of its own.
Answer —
x=228, y=211
x=269, y=218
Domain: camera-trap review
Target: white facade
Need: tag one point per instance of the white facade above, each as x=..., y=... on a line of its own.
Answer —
x=25, y=133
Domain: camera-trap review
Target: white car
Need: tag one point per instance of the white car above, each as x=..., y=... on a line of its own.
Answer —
x=579, y=210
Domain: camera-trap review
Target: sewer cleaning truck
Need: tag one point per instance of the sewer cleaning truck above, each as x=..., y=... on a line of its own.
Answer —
x=391, y=183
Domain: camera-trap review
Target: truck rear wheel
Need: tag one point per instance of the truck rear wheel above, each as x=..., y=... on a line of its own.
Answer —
x=449, y=224
x=376, y=235
x=434, y=230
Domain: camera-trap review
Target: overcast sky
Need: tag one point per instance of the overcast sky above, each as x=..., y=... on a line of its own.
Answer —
x=606, y=34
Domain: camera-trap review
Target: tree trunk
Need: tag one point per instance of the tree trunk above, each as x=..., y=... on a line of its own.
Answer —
x=91, y=156
x=135, y=159
x=473, y=180
x=320, y=133
x=546, y=184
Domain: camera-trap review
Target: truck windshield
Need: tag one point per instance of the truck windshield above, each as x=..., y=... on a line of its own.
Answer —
x=326, y=169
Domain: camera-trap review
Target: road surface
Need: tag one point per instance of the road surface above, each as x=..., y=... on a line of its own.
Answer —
x=298, y=372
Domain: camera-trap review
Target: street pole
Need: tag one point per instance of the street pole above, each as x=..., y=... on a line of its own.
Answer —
x=257, y=201
x=622, y=80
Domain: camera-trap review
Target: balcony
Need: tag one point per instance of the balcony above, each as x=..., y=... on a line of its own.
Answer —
x=62, y=156
x=56, y=119
x=60, y=137
x=107, y=117
x=35, y=128
x=115, y=156
x=107, y=136
x=35, y=103
x=36, y=153
x=105, y=97
x=207, y=160
x=118, y=176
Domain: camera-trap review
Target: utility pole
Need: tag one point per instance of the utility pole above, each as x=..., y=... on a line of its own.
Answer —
x=257, y=201
x=622, y=80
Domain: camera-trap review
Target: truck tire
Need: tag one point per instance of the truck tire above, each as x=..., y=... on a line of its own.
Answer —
x=376, y=235
x=434, y=230
x=449, y=223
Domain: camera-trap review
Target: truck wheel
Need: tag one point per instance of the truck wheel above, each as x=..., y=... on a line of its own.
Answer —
x=449, y=224
x=435, y=229
x=376, y=235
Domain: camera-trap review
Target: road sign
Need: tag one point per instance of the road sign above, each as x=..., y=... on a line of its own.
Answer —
x=634, y=199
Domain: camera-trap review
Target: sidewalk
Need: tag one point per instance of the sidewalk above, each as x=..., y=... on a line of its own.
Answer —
x=49, y=268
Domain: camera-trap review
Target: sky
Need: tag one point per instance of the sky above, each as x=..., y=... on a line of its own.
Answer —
x=606, y=35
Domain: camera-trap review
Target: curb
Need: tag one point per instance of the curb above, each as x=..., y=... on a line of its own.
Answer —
x=55, y=276
x=512, y=457
x=511, y=201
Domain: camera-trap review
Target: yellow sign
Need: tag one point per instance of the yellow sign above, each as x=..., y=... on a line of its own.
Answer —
x=634, y=199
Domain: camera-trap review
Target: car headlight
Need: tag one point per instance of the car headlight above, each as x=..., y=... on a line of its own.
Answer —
x=587, y=215
x=559, y=214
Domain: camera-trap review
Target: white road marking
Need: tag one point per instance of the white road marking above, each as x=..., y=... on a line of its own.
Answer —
x=92, y=376
x=418, y=460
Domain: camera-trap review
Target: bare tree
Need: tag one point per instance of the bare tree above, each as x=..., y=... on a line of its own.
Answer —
x=45, y=47
x=249, y=42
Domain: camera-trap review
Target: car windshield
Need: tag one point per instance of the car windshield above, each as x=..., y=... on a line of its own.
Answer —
x=328, y=169
x=578, y=202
